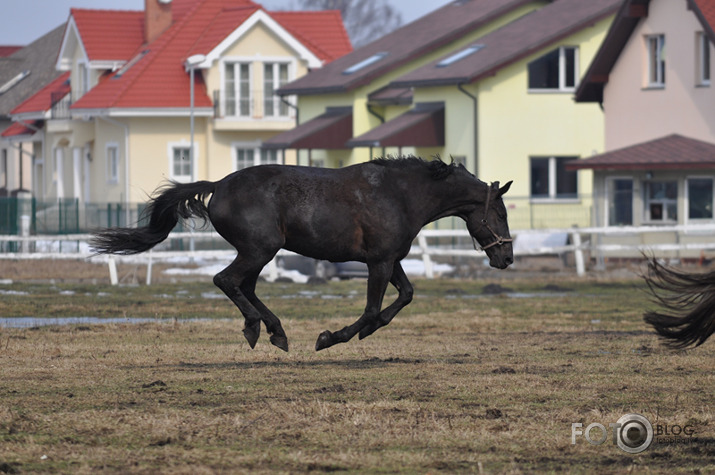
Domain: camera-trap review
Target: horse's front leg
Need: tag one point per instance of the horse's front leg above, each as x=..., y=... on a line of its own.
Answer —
x=378, y=277
x=405, y=292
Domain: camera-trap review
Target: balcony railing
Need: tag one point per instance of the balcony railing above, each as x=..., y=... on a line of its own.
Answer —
x=60, y=105
x=255, y=106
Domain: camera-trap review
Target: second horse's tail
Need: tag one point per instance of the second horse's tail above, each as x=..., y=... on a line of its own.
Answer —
x=172, y=202
x=690, y=295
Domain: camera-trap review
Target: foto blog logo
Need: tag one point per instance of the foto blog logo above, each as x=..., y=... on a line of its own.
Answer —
x=632, y=433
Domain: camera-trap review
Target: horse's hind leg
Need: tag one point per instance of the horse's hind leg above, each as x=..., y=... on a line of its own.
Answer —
x=404, y=288
x=273, y=323
x=232, y=281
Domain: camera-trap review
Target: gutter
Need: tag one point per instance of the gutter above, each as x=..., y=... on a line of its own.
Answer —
x=475, y=117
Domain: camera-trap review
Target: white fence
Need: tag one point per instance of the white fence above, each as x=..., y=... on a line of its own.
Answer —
x=527, y=243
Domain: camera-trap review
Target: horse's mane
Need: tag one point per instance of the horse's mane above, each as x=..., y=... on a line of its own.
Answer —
x=437, y=168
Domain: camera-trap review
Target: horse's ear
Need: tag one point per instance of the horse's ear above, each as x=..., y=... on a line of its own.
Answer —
x=504, y=188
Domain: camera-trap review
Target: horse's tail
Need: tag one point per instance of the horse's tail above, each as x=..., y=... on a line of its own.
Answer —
x=692, y=296
x=171, y=202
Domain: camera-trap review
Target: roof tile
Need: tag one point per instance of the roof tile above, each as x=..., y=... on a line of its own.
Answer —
x=672, y=151
x=515, y=41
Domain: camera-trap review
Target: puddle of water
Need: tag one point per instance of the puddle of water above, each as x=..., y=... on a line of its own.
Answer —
x=29, y=322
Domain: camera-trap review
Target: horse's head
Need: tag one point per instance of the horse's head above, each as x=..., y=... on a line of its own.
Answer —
x=488, y=226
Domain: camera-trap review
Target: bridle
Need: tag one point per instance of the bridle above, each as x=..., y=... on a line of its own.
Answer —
x=498, y=240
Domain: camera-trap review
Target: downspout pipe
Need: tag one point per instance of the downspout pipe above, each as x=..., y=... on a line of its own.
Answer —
x=126, y=163
x=382, y=121
x=297, y=123
x=475, y=116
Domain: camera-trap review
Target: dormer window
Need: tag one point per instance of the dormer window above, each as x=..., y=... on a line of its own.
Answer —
x=365, y=63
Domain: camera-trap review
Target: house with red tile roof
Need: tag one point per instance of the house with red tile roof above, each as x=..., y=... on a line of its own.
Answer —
x=652, y=76
x=126, y=115
x=23, y=71
x=488, y=83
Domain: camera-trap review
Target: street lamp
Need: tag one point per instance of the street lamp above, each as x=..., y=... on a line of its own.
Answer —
x=191, y=63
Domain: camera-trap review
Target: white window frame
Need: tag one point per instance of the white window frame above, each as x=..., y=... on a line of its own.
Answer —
x=275, y=99
x=647, y=218
x=687, y=217
x=655, y=50
x=609, y=189
x=183, y=144
x=237, y=62
x=257, y=155
x=553, y=169
x=562, y=72
x=112, y=162
x=704, y=58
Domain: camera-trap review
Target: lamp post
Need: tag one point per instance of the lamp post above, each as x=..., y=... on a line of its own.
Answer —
x=191, y=63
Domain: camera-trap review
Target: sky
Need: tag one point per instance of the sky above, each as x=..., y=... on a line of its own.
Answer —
x=23, y=21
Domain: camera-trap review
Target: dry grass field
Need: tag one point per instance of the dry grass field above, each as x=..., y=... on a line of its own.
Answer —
x=461, y=381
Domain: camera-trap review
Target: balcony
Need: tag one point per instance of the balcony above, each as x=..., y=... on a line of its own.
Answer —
x=60, y=105
x=254, y=112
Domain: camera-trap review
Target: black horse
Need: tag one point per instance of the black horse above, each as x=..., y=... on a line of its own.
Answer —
x=689, y=299
x=369, y=212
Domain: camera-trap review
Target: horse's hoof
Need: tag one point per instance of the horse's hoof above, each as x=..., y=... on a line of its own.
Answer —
x=280, y=341
x=252, y=333
x=325, y=340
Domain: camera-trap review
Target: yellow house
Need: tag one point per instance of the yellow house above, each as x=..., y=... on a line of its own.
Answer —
x=183, y=91
x=497, y=98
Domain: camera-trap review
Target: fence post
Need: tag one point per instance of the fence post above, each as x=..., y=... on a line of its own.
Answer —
x=578, y=252
x=112, y=271
x=272, y=270
x=148, y=269
x=25, y=232
x=426, y=258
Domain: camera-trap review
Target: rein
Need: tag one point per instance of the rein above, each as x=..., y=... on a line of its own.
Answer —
x=498, y=240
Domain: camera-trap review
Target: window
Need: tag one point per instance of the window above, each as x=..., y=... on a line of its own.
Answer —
x=112, y=163
x=365, y=63
x=244, y=158
x=237, y=90
x=459, y=55
x=181, y=163
x=700, y=198
x=620, y=202
x=555, y=71
x=551, y=180
x=661, y=201
x=275, y=75
x=12, y=82
x=656, y=60
x=703, y=59
x=251, y=154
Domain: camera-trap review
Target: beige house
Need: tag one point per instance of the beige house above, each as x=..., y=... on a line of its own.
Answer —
x=127, y=116
x=652, y=76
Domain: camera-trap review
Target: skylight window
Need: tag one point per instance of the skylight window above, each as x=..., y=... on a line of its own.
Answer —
x=131, y=63
x=8, y=85
x=459, y=55
x=365, y=63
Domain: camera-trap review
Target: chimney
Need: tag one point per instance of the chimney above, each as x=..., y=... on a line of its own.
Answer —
x=157, y=18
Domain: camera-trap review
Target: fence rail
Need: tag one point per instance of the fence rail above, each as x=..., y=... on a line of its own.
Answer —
x=460, y=246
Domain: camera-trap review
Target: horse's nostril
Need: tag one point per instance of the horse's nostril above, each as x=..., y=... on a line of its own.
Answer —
x=509, y=261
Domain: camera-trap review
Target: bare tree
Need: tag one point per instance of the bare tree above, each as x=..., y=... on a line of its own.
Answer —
x=365, y=20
